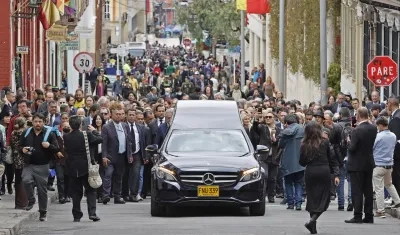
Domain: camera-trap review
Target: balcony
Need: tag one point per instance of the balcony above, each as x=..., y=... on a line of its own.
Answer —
x=71, y=20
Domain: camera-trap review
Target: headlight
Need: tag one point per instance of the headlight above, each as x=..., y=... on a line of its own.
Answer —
x=250, y=174
x=165, y=174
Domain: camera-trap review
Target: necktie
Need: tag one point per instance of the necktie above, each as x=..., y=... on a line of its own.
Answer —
x=51, y=120
x=133, y=138
x=160, y=121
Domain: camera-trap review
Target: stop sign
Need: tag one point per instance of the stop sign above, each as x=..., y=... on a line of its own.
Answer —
x=382, y=71
x=187, y=42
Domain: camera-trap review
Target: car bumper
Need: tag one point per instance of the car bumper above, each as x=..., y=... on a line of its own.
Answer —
x=240, y=194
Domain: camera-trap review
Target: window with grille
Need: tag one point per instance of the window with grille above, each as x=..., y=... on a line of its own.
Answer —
x=107, y=10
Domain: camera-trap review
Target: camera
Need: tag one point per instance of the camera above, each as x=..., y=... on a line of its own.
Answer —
x=31, y=150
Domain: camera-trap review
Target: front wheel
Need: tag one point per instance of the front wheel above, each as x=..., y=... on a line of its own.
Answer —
x=156, y=209
x=258, y=209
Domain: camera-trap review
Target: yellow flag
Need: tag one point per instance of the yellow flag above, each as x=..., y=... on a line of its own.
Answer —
x=241, y=4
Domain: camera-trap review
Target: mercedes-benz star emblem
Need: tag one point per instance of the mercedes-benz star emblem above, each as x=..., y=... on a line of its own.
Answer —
x=208, y=178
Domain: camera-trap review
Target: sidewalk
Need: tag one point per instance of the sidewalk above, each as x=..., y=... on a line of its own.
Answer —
x=394, y=212
x=11, y=219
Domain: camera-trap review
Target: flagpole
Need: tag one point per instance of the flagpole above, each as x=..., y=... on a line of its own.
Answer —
x=282, y=45
x=242, y=48
x=323, y=49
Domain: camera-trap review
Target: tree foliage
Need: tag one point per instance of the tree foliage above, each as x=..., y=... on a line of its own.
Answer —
x=216, y=16
x=302, y=39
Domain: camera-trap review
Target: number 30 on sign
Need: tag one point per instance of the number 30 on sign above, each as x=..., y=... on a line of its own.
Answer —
x=84, y=62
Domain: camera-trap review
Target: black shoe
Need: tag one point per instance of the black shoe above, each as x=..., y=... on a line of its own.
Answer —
x=290, y=207
x=143, y=196
x=100, y=200
x=279, y=195
x=77, y=220
x=50, y=188
x=368, y=220
x=10, y=189
x=94, y=218
x=311, y=226
x=350, y=207
x=298, y=208
x=106, y=200
x=61, y=200
x=2, y=193
x=43, y=216
x=333, y=198
x=67, y=199
x=396, y=206
x=30, y=206
x=341, y=208
x=271, y=199
x=126, y=199
x=111, y=196
x=119, y=201
x=354, y=221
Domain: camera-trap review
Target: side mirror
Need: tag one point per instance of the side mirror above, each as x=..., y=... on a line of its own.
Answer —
x=262, y=149
x=152, y=148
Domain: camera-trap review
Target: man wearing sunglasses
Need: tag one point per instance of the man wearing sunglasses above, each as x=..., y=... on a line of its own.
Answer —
x=264, y=126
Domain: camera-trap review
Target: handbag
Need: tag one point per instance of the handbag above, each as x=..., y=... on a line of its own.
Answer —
x=94, y=178
x=7, y=157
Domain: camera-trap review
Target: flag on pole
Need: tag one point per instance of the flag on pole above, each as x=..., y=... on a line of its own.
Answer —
x=48, y=14
x=257, y=7
x=241, y=4
x=60, y=5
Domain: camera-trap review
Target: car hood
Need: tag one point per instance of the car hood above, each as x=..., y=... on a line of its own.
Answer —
x=209, y=162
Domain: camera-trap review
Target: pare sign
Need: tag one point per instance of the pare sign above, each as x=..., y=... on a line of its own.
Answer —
x=382, y=71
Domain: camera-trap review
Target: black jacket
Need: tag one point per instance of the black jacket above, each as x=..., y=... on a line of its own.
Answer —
x=361, y=148
x=74, y=146
x=394, y=126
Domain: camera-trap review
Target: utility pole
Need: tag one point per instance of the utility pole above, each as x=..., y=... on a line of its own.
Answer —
x=323, y=48
x=282, y=45
x=242, y=48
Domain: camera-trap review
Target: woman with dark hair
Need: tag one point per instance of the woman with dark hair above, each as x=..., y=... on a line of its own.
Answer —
x=98, y=122
x=315, y=155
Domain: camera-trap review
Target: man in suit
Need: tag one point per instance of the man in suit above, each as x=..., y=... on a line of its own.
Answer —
x=152, y=95
x=268, y=131
x=54, y=118
x=360, y=166
x=140, y=139
x=340, y=102
x=394, y=126
x=93, y=111
x=43, y=107
x=163, y=128
x=116, y=151
x=159, y=112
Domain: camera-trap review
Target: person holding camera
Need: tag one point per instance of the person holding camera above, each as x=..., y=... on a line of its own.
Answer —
x=38, y=145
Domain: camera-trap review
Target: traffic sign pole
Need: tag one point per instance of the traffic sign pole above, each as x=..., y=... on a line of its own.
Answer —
x=83, y=83
x=381, y=93
x=84, y=63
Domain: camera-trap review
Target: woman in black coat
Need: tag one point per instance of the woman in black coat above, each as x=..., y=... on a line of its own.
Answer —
x=77, y=165
x=320, y=163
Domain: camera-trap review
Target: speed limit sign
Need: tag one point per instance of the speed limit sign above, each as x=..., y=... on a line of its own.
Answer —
x=84, y=62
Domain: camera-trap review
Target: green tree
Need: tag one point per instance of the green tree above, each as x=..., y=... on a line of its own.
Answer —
x=216, y=16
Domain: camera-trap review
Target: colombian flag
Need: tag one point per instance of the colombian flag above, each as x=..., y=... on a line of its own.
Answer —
x=48, y=14
x=253, y=6
x=60, y=5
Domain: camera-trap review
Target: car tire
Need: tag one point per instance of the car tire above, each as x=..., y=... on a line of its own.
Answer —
x=258, y=209
x=156, y=209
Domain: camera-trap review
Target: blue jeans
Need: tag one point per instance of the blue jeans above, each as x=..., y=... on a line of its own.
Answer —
x=343, y=175
x=141, y=179
x=294, y=188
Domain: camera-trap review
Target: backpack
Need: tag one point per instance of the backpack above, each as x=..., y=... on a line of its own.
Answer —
x=346, y=132
x=46, y=135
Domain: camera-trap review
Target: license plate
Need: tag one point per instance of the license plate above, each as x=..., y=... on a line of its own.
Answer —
x=208, y=191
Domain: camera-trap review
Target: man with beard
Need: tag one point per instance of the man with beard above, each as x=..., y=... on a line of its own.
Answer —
x=38, y=145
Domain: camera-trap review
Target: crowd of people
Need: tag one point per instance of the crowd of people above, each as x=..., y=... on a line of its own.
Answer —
x=314, y=149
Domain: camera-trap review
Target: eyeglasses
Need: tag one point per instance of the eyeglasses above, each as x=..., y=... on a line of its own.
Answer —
x=268, y=117
x=63, y=102
x=104, y=113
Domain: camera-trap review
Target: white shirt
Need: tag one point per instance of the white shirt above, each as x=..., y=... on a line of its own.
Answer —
x=158, y=121
x=137, y=145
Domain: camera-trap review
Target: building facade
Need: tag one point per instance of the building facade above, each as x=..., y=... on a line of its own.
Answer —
x=369, y=29
x=258, y=52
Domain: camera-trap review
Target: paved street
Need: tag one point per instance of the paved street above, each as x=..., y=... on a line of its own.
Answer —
x=135, y=219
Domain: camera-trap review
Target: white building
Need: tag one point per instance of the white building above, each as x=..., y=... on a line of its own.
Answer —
x=258, y=51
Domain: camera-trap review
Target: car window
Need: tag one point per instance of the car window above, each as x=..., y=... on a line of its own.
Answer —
x=202, y=140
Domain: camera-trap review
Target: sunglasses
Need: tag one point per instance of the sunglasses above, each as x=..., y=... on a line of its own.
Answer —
x=268, y=117
x=104, y=113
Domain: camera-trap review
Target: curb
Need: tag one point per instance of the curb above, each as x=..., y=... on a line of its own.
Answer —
x=13, y=226
x=395, y=213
